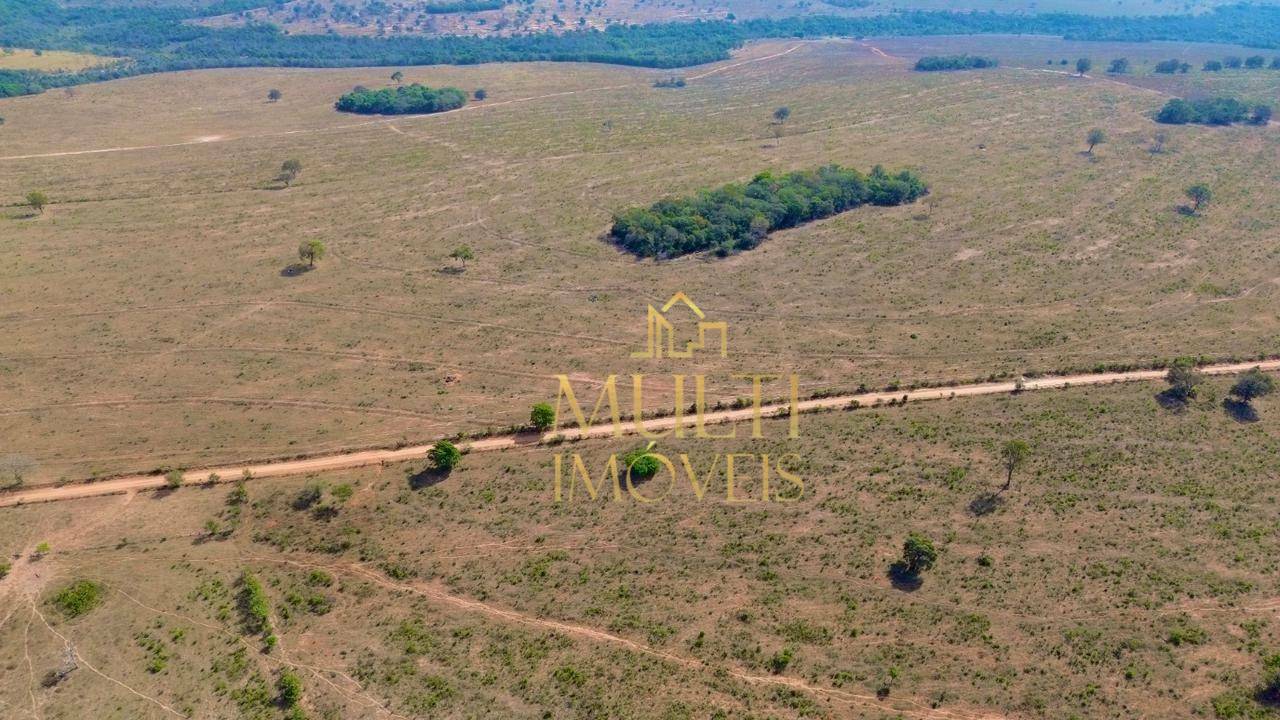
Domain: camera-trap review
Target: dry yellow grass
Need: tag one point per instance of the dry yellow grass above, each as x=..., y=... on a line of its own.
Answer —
x=148, y=322
x=49, y=60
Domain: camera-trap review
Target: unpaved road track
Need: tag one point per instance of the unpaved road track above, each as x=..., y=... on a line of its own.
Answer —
x=365, y=458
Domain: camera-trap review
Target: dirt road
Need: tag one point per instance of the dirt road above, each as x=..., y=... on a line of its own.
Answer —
x=365, y=458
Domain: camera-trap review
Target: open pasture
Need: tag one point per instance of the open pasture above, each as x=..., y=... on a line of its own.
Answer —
x=1127, y=571
x=151, y=316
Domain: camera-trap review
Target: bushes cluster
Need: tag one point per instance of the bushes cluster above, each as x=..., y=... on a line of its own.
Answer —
x=79, y=598
x=1174, y=65
x=403, y=100
x=932, y=63
x=737, y=217
x=1212, y=111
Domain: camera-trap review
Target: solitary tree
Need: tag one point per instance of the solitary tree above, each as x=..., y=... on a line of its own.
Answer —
x=289, y=171
x=1083, y=65
x=1094, y=138
x=1200, y=195
x=14, y=470
x=37, y=200
x=310, y=251
x=480, y=94
x=1253, y=384
x=1119, y=66
x=1159, y=141
x=462, y=254
x=918, y=554
x=781, y=114
x=1013, y=454
x=543, y=416
x=397, y=76
x=274, y=95
x=445, y=455
x=1183, y=378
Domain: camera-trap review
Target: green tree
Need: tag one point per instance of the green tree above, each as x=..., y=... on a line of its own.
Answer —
x=1013, y=454
x=1200, y=195
x=480, y=94
x=290, y=687
x=641, y=464
x=782, y=114
x=1183, y=377
x=1253, y=62
x=37, y=200
x=289, y=171
x=445, y=455
x=1083, y=65
x=462, y=254
x=310, y=251
x=173, y=479
x=1119, y=66
x=1212, y=66
x=543, y=416
x=274, y=95
x=918, y=554
x=1253, y=384
x=396, y=77
x=1095, y=137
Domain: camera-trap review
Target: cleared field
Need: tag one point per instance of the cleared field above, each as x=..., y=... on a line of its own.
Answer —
x=49, y=60
x=150, y=319
x=1127, y=572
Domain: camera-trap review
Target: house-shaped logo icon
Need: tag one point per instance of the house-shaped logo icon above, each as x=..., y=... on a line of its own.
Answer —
x=661, y=340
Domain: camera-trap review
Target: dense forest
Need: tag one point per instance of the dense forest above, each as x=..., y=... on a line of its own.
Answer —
x=1213, y=111
x=737, y=217
x=403, y=100
x=933, y=63
x=160, y=39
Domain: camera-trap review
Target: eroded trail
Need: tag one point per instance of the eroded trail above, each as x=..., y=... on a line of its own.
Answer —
x=365, y=458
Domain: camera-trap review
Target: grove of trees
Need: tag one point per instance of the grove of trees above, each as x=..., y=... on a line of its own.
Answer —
x=933, y=63
x=402, y=100
x=737, y=217
x=1212, y=111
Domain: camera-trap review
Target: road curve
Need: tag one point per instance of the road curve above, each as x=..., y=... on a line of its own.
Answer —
x=365, y=458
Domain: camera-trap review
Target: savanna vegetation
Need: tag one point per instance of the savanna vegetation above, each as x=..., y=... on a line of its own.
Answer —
x=1213, y=111
x=162, y=39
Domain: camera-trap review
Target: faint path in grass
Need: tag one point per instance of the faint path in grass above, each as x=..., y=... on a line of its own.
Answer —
x=364, y=458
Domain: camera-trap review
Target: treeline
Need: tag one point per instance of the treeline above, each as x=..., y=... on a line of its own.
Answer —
x=403, y=100
x=457, y=6
x=1213, y=111
x=158, y=40
x=933, y=63
x=737, y=217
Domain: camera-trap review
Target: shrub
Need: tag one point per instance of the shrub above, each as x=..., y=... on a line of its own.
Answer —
x=445, y=455
x=403, y=100
x=781, y=660
x=79, y=598
x=1253, y=384
x=290, y=686
x=543, y=416
x=254, y=604
x=641, y=464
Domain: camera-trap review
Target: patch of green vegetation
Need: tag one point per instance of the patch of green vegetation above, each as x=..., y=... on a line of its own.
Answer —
x=79, y=598
x=738, y=217
x=933, y=63
x=403, y=100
